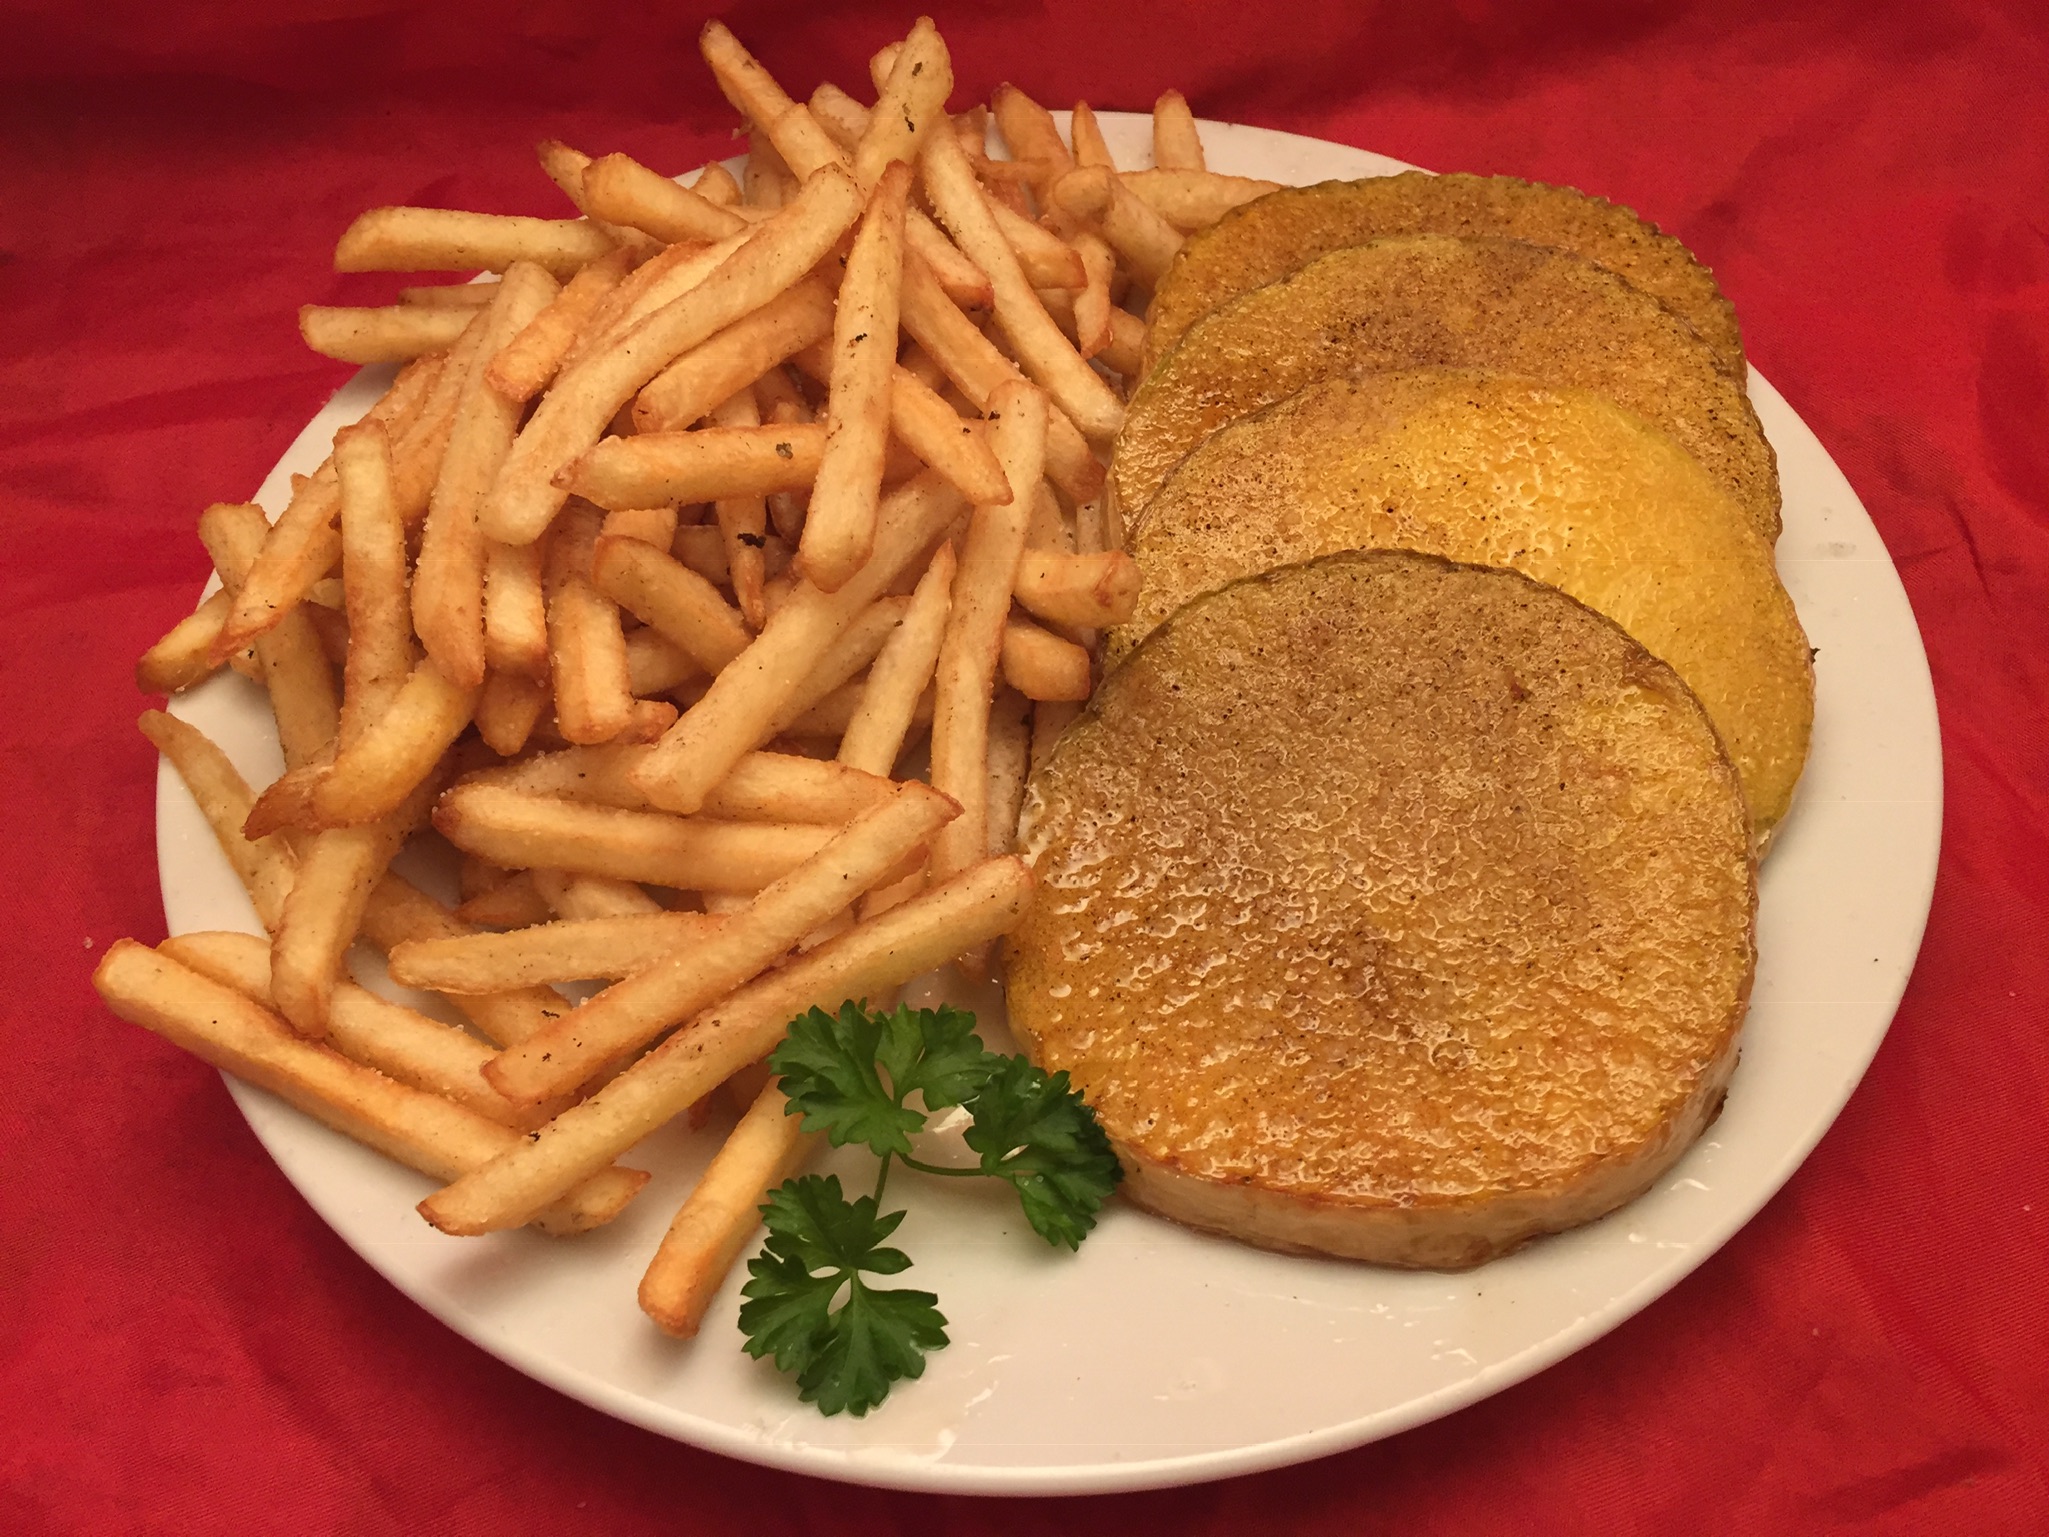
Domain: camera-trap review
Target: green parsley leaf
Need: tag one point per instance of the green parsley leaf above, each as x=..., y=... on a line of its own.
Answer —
x=935, y=1053
x=819, y=1242
x=830, y=1074
x=1036, y=1132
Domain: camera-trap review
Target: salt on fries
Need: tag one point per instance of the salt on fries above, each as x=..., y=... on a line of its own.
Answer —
x=715, y=497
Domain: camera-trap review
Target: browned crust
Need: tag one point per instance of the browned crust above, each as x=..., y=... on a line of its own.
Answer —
x=1282, y=231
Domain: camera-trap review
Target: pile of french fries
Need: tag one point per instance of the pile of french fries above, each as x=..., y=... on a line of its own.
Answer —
x=661, y=554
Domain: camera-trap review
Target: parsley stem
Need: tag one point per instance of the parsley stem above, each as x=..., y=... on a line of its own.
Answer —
x=939, y=1168
x=882, y=1176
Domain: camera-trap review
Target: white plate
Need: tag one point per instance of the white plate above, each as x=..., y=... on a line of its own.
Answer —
x=1156, y=1356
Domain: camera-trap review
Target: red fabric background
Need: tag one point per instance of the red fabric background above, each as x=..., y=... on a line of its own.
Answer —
x=184, y=1347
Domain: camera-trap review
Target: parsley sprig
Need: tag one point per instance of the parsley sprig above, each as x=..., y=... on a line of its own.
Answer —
x=853, y=1076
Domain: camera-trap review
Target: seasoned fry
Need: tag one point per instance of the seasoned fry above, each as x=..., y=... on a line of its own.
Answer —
x=633, y=1012
x=722, y=1213
x=733, y=717
x=1034, y=140
x=521, y=369
x=855, y=648
x=516, y=903
x=693, y=385
x=620, y=189
x=586, y=647
x=742, y=521
x=655, y=283
x=1092, y=308
x=866, y=961
x=295, y=668
x=390, y=334
x=1047, y=260
x=777, y=253
x=1087, y=138
x=371, y=776
x=1176, y=145
x=1089, y=592
x=592, y=896
x=266, y=866
x=763, y=786
x=399, y=911
x=965, y=680
x=368, y=1029
x=515, y=610
x=910, y=101
x=665, y=468
x=380, y=650
x=1042, y=666
x=566, y=168
x=715, y=184
x=1144, y=239
x=337, y=869
x=839, y=529
x=464, y=296
x=1046, y=355
x=655, y=664
x=973, y=363
x=443, y=240
x=874, y=737
x=509, y=706
x=1010, y=744
x=570, y=950
x=184, y=656
x=690, y=854
x=424, y=1131
x=676, y=601
x=1193, y=199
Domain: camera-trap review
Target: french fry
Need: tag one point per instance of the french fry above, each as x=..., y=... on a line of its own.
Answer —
x=874, y=737
x=655, y=664
x=392, y=333
x=763, y=786
x=722, y=1212
x=715, y=184
x=592, y=896
x=1191, y=200
x=397, y=1041
x=1145, y=240
x=1087, y=138
x=515, y=610
x=1046, y=260
x=832, y=715
x=444, y=240
x=337, y=869
x=586, y=646
x=424, y=1131
x=1029, y=130
x=184, y=657
x=462, y=296
x=509, y=706
x=1010, y=744
x=1090, y=592
x=965, y=679
x=521, y=368
x=567, y=950
x=807, y=148
x=1042, y=666
x=1092, y=308
x=742, y=520
x=373, y=547
x=693, y=385
x=665, y=468
x=690, y=854
x=1176, y=145
x=620, y=189
x=766, y=181
x=266, y=866
x=399, y=912
x=585, y=398
x=650, y=525
x=678, y=603
x=868, y=960
x=634, y=1011
x=295, y=668
x=839, y=530
x=974, y=363
x=654, y=284
x=733, y=717
x=844, y=119
x=302, y=545
x=1046, y=355
x=516, y=903
x=910, y=101
x=371, y=776
x=844, y=659
x=566, y=168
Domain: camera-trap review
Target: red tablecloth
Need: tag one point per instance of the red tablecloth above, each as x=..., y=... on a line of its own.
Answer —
x=185, y=1347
